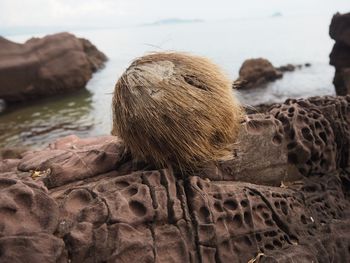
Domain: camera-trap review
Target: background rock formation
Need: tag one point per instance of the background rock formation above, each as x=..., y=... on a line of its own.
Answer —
x=339, y=30
x=46, y=66
x=87, y=200
x=256, y=72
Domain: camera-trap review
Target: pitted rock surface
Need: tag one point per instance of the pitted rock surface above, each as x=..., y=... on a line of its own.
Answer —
x=20, y=200
x=317, y=133
x=32, y=248
x=87, y=200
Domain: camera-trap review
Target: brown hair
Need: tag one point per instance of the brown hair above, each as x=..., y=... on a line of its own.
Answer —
x=177, y=108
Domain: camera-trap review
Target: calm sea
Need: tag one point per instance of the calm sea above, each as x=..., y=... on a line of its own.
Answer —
x=282, y=40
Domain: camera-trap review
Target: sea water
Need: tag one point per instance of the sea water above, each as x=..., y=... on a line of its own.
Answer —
x=282, y=40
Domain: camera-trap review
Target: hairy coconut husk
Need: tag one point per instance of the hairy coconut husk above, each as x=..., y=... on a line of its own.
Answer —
x=176, y=108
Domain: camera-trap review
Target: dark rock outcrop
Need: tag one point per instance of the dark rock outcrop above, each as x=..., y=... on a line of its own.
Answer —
x=339, y=30
x=255, y=72
x=283, y=198
x=259, y=71
x=45, y=66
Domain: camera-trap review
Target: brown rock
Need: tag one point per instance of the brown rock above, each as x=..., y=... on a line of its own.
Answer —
x=12, y=152
x=95, y=57
x=261, y=147
x=255, y=72
x=20, y=200
x=45, y=66
x=8, y=165
x=32, y=248
x=121, y=211
x=68, y=162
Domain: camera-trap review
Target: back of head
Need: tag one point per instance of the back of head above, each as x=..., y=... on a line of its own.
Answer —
x=176, y=108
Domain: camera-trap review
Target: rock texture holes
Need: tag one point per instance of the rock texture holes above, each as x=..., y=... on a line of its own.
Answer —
x=230, y=204
x=244, y=203
x=248, y=218
x=137, y=208
x=218, y=207
x=237, y=221
x=308, y=132
x=132, y=191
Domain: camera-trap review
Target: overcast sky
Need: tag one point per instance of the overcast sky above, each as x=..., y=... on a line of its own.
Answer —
x=92, y=13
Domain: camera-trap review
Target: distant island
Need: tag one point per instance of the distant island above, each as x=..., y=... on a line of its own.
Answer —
x=276, y=14
x=169, y=21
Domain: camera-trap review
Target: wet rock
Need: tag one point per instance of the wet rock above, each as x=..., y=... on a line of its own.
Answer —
x=46, y=66
x=114, y=209
x=339, y=30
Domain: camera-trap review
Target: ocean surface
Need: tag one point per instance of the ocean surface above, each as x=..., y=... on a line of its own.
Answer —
x=282, y=40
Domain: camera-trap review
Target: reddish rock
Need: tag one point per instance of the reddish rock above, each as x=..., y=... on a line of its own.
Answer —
x=339, y=30
x=19, y=200
x=87, y=200
x=12, y=152
x=45, y=66
x=63, y=162
x=32, y=248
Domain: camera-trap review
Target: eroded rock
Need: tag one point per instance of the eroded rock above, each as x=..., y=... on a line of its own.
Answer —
x=31, y=248
x=114, y=209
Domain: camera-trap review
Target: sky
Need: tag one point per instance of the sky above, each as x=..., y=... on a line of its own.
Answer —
x=103, y=13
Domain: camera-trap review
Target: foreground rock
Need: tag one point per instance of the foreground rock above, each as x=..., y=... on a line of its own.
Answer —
x=283, y=198
x=339, y=30
x=259, y=71
x=45, y=66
